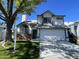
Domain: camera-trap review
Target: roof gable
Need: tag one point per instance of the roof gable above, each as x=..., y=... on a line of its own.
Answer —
x=51, y=13
x=48, y=12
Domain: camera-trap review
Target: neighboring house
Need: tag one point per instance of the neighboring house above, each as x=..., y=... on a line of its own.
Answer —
x=48, y=26
x=23, y=28
x=74, y=28
x=51, y=26
x=2, y=26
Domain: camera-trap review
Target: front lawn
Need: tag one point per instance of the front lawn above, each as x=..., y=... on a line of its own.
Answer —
x=24, y=50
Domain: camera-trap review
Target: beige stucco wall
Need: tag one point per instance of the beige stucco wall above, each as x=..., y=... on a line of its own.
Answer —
x=53, y=19
x=47, y=15
x=39, y=19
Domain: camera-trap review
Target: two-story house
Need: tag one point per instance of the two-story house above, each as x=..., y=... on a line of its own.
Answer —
x=48, y=26
x=51, y=26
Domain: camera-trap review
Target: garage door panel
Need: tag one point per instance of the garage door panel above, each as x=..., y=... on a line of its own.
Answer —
x=46, y=34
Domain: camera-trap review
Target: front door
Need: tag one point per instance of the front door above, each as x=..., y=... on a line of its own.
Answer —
x=34, y=33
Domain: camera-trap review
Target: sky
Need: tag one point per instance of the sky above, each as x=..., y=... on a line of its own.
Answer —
x=69, y=8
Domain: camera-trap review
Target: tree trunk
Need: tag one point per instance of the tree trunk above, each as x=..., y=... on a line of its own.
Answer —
x=9, y=32
x=10, y=22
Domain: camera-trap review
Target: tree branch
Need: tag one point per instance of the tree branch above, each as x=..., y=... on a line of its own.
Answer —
x=8, y=6
x=11, y=7
x=2, y=18
x=3, y=10
x=18, y=9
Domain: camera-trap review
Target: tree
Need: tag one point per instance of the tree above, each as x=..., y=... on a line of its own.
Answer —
x=9, y=10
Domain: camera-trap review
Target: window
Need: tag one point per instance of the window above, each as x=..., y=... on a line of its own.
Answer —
x=47, y=20
x=59, y=17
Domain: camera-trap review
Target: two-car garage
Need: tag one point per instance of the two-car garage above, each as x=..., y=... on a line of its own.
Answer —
x=51, y=34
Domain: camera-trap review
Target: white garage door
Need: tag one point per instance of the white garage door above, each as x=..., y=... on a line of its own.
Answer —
x=52, y=34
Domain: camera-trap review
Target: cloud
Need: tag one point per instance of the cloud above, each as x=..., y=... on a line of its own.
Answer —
x=68, y=23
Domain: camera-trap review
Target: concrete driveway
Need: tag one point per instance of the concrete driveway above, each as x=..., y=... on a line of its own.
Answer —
x=58, y=50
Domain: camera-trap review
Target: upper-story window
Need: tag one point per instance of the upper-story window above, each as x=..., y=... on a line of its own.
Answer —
x=47, y=20
x=59, y=17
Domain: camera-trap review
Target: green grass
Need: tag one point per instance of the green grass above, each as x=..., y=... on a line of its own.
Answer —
x=24, y=50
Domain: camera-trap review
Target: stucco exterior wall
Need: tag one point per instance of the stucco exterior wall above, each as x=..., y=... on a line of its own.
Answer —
x=47, y=15
x=59, y=22
x=1, y=29
x=78, y=30
x=78, y=34
x=72, y=29
x=39, y=20
x=54, y=21
x=0, y=33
